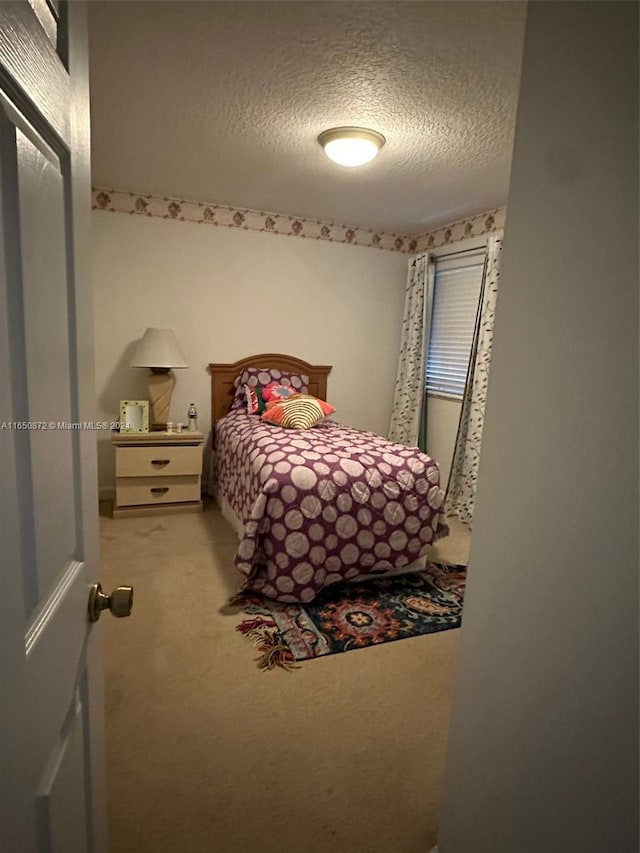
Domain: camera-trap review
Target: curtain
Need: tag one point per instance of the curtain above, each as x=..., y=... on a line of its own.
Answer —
x=461, y=490
x=410, y=398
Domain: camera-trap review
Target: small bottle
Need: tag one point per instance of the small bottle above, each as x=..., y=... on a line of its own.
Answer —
x=192, y=416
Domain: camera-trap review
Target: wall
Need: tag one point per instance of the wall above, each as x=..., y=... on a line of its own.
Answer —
x=228, y=293
x=544, y=738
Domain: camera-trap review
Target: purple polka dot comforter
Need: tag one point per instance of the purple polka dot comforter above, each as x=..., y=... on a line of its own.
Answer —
x=323, y=505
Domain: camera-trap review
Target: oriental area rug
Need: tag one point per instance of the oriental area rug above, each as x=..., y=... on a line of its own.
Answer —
x=352, y=616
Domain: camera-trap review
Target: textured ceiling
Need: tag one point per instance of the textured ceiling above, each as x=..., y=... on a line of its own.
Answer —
x=223, y=101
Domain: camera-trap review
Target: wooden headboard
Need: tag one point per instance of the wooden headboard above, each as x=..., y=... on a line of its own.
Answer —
x=223, y=375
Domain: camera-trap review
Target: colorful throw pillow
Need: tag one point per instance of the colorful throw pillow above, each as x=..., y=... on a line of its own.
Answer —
x=254, y=399
x=258, y=377
x=276, y=391
x=301, y=411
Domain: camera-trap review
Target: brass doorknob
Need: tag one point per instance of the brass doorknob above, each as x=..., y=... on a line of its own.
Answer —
x=119, y=602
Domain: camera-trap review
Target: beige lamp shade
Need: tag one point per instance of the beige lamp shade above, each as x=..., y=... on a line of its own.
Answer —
x=158, y=348
x=159, y=351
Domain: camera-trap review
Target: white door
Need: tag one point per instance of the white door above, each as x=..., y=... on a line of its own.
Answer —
x=51, y=747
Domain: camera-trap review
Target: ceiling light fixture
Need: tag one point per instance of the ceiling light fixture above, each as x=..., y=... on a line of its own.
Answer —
x=351, y=146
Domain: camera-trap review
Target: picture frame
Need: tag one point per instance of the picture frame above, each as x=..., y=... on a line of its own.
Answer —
x=134, y=416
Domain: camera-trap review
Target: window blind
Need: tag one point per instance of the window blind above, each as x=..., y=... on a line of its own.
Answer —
x=455, y=304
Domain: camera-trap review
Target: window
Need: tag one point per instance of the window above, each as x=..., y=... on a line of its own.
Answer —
x=458, y=281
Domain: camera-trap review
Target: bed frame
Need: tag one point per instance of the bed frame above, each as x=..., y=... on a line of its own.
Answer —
x=223, y=376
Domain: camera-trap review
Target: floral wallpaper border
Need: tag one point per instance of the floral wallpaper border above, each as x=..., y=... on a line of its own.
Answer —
x=472, y=226
x=203, y=213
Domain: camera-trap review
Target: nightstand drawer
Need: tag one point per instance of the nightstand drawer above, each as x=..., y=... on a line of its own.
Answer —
x=158, y=461
x=157, y=490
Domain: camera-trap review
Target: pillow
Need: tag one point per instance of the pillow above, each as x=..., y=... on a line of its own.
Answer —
x=254, y=399
x=302, y=411
x=276, y=391
x=260, y=376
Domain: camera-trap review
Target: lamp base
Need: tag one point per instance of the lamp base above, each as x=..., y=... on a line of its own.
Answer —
x=161, y=382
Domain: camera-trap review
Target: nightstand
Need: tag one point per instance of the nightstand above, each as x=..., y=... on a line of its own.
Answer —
x=157, y=473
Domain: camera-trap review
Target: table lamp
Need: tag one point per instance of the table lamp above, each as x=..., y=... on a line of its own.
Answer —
x=159, y=350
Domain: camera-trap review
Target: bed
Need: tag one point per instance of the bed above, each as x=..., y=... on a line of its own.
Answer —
x=318, y=506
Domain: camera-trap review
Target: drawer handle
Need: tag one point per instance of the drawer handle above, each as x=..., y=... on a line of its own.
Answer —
x=159, y=490
x=160, y=461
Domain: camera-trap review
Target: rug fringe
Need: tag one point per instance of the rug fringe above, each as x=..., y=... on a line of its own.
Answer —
x=250, y=625
x=274, y=651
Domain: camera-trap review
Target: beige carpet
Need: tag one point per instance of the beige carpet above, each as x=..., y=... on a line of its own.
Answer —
x=206, y=754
